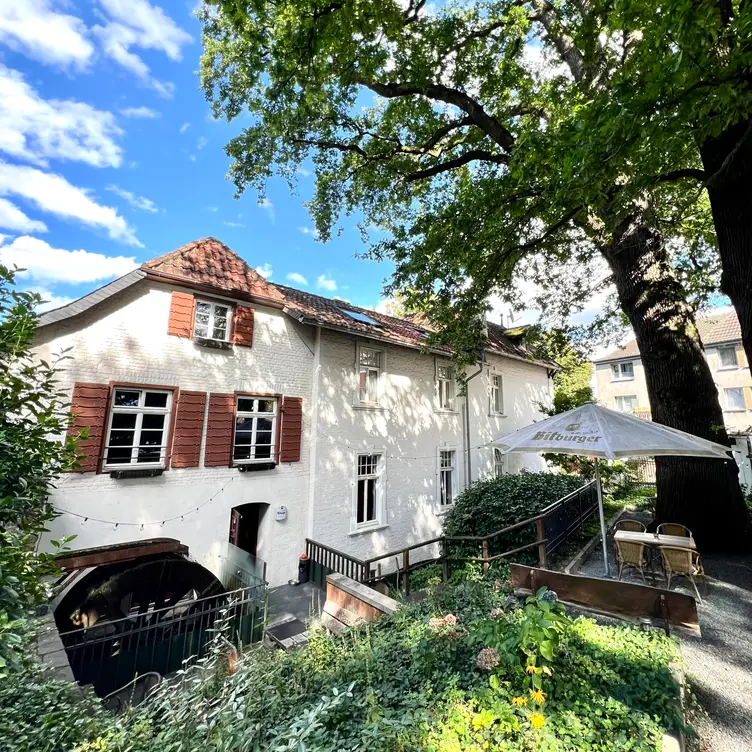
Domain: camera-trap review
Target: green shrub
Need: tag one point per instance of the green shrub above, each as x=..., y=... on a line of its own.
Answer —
x=491, y=504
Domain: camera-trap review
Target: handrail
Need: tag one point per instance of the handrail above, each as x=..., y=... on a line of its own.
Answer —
x=491, y=536
x=566, y=498
x=335, y=551
x=389, y=554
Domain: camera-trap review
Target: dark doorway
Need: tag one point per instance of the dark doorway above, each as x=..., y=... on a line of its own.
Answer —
x=244, y=526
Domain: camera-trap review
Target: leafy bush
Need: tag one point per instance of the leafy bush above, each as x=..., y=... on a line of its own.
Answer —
x=491, y=504
x=413, y=681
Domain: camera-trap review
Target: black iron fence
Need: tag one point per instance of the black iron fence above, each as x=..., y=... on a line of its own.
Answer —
x=566, y=516
x=325, y=560
x=110, y=654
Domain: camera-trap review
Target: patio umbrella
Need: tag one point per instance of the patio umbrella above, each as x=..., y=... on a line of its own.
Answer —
x=595, y=431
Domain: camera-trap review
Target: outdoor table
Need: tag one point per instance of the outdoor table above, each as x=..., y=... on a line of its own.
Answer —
x=651, y=539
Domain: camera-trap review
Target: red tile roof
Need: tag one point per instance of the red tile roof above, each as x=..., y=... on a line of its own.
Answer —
x=210, y=262
x=713, y=330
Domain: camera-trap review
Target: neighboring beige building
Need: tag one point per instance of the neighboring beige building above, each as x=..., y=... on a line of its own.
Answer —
x=620, y=381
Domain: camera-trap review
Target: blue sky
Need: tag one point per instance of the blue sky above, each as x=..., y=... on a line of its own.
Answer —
x=109, y=156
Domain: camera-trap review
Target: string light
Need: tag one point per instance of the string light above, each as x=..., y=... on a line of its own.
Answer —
x=141, y=525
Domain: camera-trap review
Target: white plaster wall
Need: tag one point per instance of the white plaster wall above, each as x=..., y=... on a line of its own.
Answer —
x=737, y=421
x=408, y=429
x=125, y=339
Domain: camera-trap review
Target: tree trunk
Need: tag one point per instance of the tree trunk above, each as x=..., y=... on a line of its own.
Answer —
x=728, y=161
x=702, y=494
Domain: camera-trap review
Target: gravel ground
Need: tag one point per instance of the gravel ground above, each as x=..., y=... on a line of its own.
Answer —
x=719, y=665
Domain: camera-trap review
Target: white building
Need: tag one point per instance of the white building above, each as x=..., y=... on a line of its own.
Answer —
x=222, y=407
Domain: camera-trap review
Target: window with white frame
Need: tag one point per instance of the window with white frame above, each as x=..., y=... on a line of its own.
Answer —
x=369, y=372
x=138, y=427
x=447, y=476
x=626, y=404
x=727, y=356
x=255, y=430
x=622, y=371
x=497, y=394
x=212, y=320
x=369, y=491
x=735, y=398
x=445, y=385
x=499, y=463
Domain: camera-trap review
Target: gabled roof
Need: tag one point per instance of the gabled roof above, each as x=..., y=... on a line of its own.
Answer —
x=713, y=330
x=210, y=262
x=412, y=331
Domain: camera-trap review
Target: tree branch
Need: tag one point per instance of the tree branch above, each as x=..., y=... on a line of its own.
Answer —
x=547, y=15
x=441, y=93
x=474, y=155
x=692, y=173
x=332, y=145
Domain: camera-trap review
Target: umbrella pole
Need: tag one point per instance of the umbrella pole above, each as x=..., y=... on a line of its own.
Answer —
x=600, y=513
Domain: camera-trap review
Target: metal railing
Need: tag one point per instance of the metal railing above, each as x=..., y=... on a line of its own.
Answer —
x=110, y=654
x=549, y=530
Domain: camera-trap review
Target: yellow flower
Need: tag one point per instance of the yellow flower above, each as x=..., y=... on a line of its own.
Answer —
x=519, y=701
x=537, y=720
x=537, y=695
x=531, y=669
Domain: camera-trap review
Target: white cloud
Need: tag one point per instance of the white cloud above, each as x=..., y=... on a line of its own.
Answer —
x=44, y=263
x=201, y=143
x=325, y=283
x=12, y=218
x=54, y=194
x=268, y=207
x=137, y=23
x=303, y=172
x=212, y=209
x=36, y=29
x=297, y=278
x=184, y=127
x=265, y=270
x=309, y=231
x=192, y=157
x=234, y=224
x=139, y=202
x=140, y=112
x=35, y=129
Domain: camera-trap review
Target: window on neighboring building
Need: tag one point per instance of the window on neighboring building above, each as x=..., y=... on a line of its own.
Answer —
x=212, y=320
x=445, y=383
x=626, y=404
x=447, y=477
x=735, y=398
x=369, y=371
x=368, y=495
x=499, y=467
x=497, y=394
x=622, y=371
x=255, y=430
x=728, y=357
x=139, y=420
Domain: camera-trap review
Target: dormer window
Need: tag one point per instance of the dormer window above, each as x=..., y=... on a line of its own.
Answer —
x=212, y=321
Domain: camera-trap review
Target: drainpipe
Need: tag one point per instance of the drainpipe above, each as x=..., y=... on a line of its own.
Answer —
x=469, y=462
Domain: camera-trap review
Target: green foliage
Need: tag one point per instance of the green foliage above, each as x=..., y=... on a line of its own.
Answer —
x=491, y=504
x=411, y=681
x=32, y=414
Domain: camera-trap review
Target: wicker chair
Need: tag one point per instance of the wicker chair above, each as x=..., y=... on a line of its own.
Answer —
x=674, y=528
x=632, y=555
x=683, y=562
x=633, y=526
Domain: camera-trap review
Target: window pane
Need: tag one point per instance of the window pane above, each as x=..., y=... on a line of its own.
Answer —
x=203, y=308
x=220, y=312
x=118, y=456
x=155, y=399
x=371, y=500
x=735, y=399
x=246, y=437
x=126, y=399
x=728, y=356
x=360, y=514
x=369, y=357
x=627, y=370
x=121, y=438
x=124, y=420
x=243, y=424
x=246, y=404
x=445, y=372
x=149, y=455
x=263, y=438
x=242, y=453
x=201, y=330
x=266, y=406
x=219, y=333
x=150, y=438
x=153, y=422
x=263, y=452
x=264, y=424
x=202, y=318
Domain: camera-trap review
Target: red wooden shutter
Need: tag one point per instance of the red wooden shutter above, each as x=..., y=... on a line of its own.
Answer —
x=292, y=429
x=220, y=424
x=242, y=331
x=189, y=424
x=180, y=322
x=89, y=408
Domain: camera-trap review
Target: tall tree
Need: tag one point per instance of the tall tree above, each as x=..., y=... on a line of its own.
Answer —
x=439, y=128
x=32, y=414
